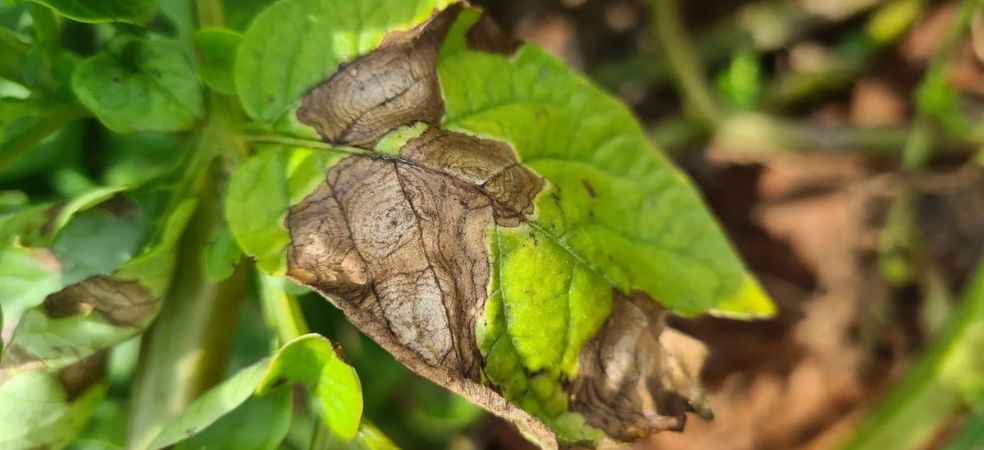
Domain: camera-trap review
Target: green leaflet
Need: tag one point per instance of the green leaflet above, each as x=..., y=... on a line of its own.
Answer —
x=295, y=44
x=221, y=255
x=614, y=202
x=142, y=86
x=260, y=192
x=310, y=360
x=260, y=423
x=213, y=405
x=218, y=48
x=94, y=11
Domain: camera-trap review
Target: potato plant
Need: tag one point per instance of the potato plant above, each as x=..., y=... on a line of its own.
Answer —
x=497, y=223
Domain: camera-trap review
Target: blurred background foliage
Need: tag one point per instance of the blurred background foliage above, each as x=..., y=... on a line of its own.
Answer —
x=838, y=141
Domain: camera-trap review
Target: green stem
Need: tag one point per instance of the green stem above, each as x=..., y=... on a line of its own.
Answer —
x=687, y=71
x=13, y=50
x=186, y=350
x=764, y=135
x=209, y=13
x=45, y=29
x=281, y=309
x=934, y=389
x=53, y=120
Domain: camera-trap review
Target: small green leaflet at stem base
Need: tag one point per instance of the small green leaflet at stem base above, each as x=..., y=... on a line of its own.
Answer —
x=218, y=49
x=309, y=360
x=221, y=255
x=141, y=86
x=97, y=11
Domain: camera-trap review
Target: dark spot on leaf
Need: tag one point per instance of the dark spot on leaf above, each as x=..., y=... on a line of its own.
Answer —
x=588, y=187
x=120, y=302
x=79, y=377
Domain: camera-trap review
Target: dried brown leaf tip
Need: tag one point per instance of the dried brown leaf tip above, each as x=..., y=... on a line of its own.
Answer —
x=118, y=302
x=398, y=242
x=638, y=377
x=394, y=85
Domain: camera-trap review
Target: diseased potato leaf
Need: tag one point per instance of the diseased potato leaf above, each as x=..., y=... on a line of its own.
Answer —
x=110, y=254
x=44, y=411
x=503, y=228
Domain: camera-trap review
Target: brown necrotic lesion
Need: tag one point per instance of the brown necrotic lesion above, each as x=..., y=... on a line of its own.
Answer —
x=636, y=376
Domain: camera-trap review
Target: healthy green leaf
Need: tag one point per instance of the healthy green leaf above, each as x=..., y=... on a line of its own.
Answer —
x=218, y=48
x=142, y=86
x=313, y=361
x=310, y=360
x=95, y=11
x=294, y=44
x=213, y=405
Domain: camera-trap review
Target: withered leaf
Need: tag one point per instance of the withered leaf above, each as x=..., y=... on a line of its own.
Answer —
x=402, y=245
x=107, y=271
